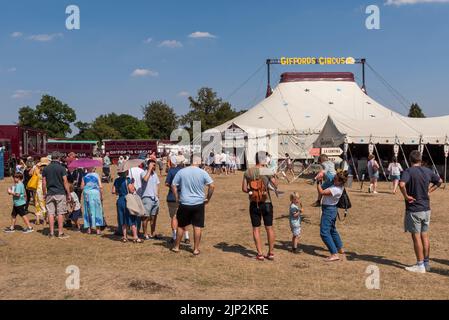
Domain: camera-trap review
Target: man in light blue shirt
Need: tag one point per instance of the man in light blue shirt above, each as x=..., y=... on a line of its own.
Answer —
x=192, y=200
x=150, y=199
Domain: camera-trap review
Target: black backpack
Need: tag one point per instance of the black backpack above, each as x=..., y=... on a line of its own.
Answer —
x=344, y=203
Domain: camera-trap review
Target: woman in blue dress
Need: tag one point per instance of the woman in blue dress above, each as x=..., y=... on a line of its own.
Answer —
x=93, y=201
x=122, y=186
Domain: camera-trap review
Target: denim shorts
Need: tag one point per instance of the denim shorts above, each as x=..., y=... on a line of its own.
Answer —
x=151, y=205
x=295, y=226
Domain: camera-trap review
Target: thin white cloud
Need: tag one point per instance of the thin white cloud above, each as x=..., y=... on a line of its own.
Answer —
x=411, y=2
x=22, y=94
x=45, y=37
x=148, y=40
x=183, y=94
x=144, y=73
x=16, y=34
x=202, y=35
x=170, y=44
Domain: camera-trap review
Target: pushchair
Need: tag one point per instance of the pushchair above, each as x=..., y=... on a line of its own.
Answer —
x=106, y=177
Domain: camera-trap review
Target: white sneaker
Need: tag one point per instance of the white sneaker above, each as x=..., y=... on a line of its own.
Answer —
x=416, y=268
x=427, y=266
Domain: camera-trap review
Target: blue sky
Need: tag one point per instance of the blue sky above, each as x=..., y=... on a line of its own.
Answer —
x=107, y=66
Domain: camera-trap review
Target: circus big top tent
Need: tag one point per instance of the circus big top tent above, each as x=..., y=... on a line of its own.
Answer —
x=312, y=108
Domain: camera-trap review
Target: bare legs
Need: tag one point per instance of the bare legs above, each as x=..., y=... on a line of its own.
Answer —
x=258, y=241
x=421, y=244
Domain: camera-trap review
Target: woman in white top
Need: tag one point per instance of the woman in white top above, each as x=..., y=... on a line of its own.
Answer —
x=328, y=231
x=395, y=169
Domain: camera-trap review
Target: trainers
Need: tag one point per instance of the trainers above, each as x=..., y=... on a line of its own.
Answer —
x=416, y=268
x=28, y=230
x=9, y=230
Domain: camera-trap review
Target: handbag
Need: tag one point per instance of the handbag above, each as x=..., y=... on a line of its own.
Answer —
x=33, y=182
x=134, y=204
x=344, y=203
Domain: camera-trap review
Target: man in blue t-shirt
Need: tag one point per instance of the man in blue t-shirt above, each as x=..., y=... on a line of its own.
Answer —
x=192, y=200
x=175, y=165
x=416, y=184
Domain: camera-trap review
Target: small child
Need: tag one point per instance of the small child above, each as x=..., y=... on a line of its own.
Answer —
x=19, y=204
x=326, y=175
x=75, y=208
x=296, y=210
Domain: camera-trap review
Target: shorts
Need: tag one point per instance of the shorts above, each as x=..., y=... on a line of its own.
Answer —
x=295, y=227
x=172, y=209
x=375, y=175
x=75, y=215
x=19, y=211
x=261, y=211
x=393, y=178
x=223, y=164
x=56, y=204
x=191, y=215
x=417, y=222
x=151, y=206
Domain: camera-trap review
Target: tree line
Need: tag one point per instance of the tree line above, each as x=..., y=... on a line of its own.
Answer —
x=158, y=119
x=157, y=122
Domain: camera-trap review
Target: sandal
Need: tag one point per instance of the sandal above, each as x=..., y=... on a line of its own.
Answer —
x=260, y=257
x=174, y=250
x=124, y=240
x=137, y=241
x=197, y=253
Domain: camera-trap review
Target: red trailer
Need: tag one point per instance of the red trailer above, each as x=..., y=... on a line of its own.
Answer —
x=21, y=142
x=82, y=149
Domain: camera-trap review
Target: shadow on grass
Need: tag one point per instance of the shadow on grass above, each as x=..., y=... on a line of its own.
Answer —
x=353, y=256
x=306, y=248
x=236, y=248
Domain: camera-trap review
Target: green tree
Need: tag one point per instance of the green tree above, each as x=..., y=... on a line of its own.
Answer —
x=415, y=111
x=51, y=115
x=160, y=119
x=209, y=109
x=113, y=126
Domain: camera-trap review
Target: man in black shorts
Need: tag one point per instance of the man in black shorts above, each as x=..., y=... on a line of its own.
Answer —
x=256, y=182
x=192, y=200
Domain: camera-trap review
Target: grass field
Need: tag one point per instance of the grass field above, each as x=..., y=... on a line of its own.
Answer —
x=32, y=266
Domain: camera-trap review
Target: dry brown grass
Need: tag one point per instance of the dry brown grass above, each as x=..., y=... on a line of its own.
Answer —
x=33, y=266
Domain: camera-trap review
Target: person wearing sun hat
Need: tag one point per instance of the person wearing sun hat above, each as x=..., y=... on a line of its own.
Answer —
x=39, y=199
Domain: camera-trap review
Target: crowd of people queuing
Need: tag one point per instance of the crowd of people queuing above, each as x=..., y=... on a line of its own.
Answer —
x=57, y=191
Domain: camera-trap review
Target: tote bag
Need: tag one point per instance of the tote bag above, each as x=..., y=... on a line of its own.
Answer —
x=34, y=180
x=134, y=204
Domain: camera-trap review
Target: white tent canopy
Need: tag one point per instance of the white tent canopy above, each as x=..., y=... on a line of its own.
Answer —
x=304, y=103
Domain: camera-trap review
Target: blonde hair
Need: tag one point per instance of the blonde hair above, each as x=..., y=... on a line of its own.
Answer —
x=293, y=196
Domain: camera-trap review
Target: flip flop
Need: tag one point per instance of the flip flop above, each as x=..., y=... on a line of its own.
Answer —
x=196, y=253
x=331, y=260
x=174, y=250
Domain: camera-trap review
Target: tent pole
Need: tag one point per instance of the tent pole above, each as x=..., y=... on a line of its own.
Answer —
x=445, y=172
x=405, y=157
x=353, y=163
x=380, y=163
